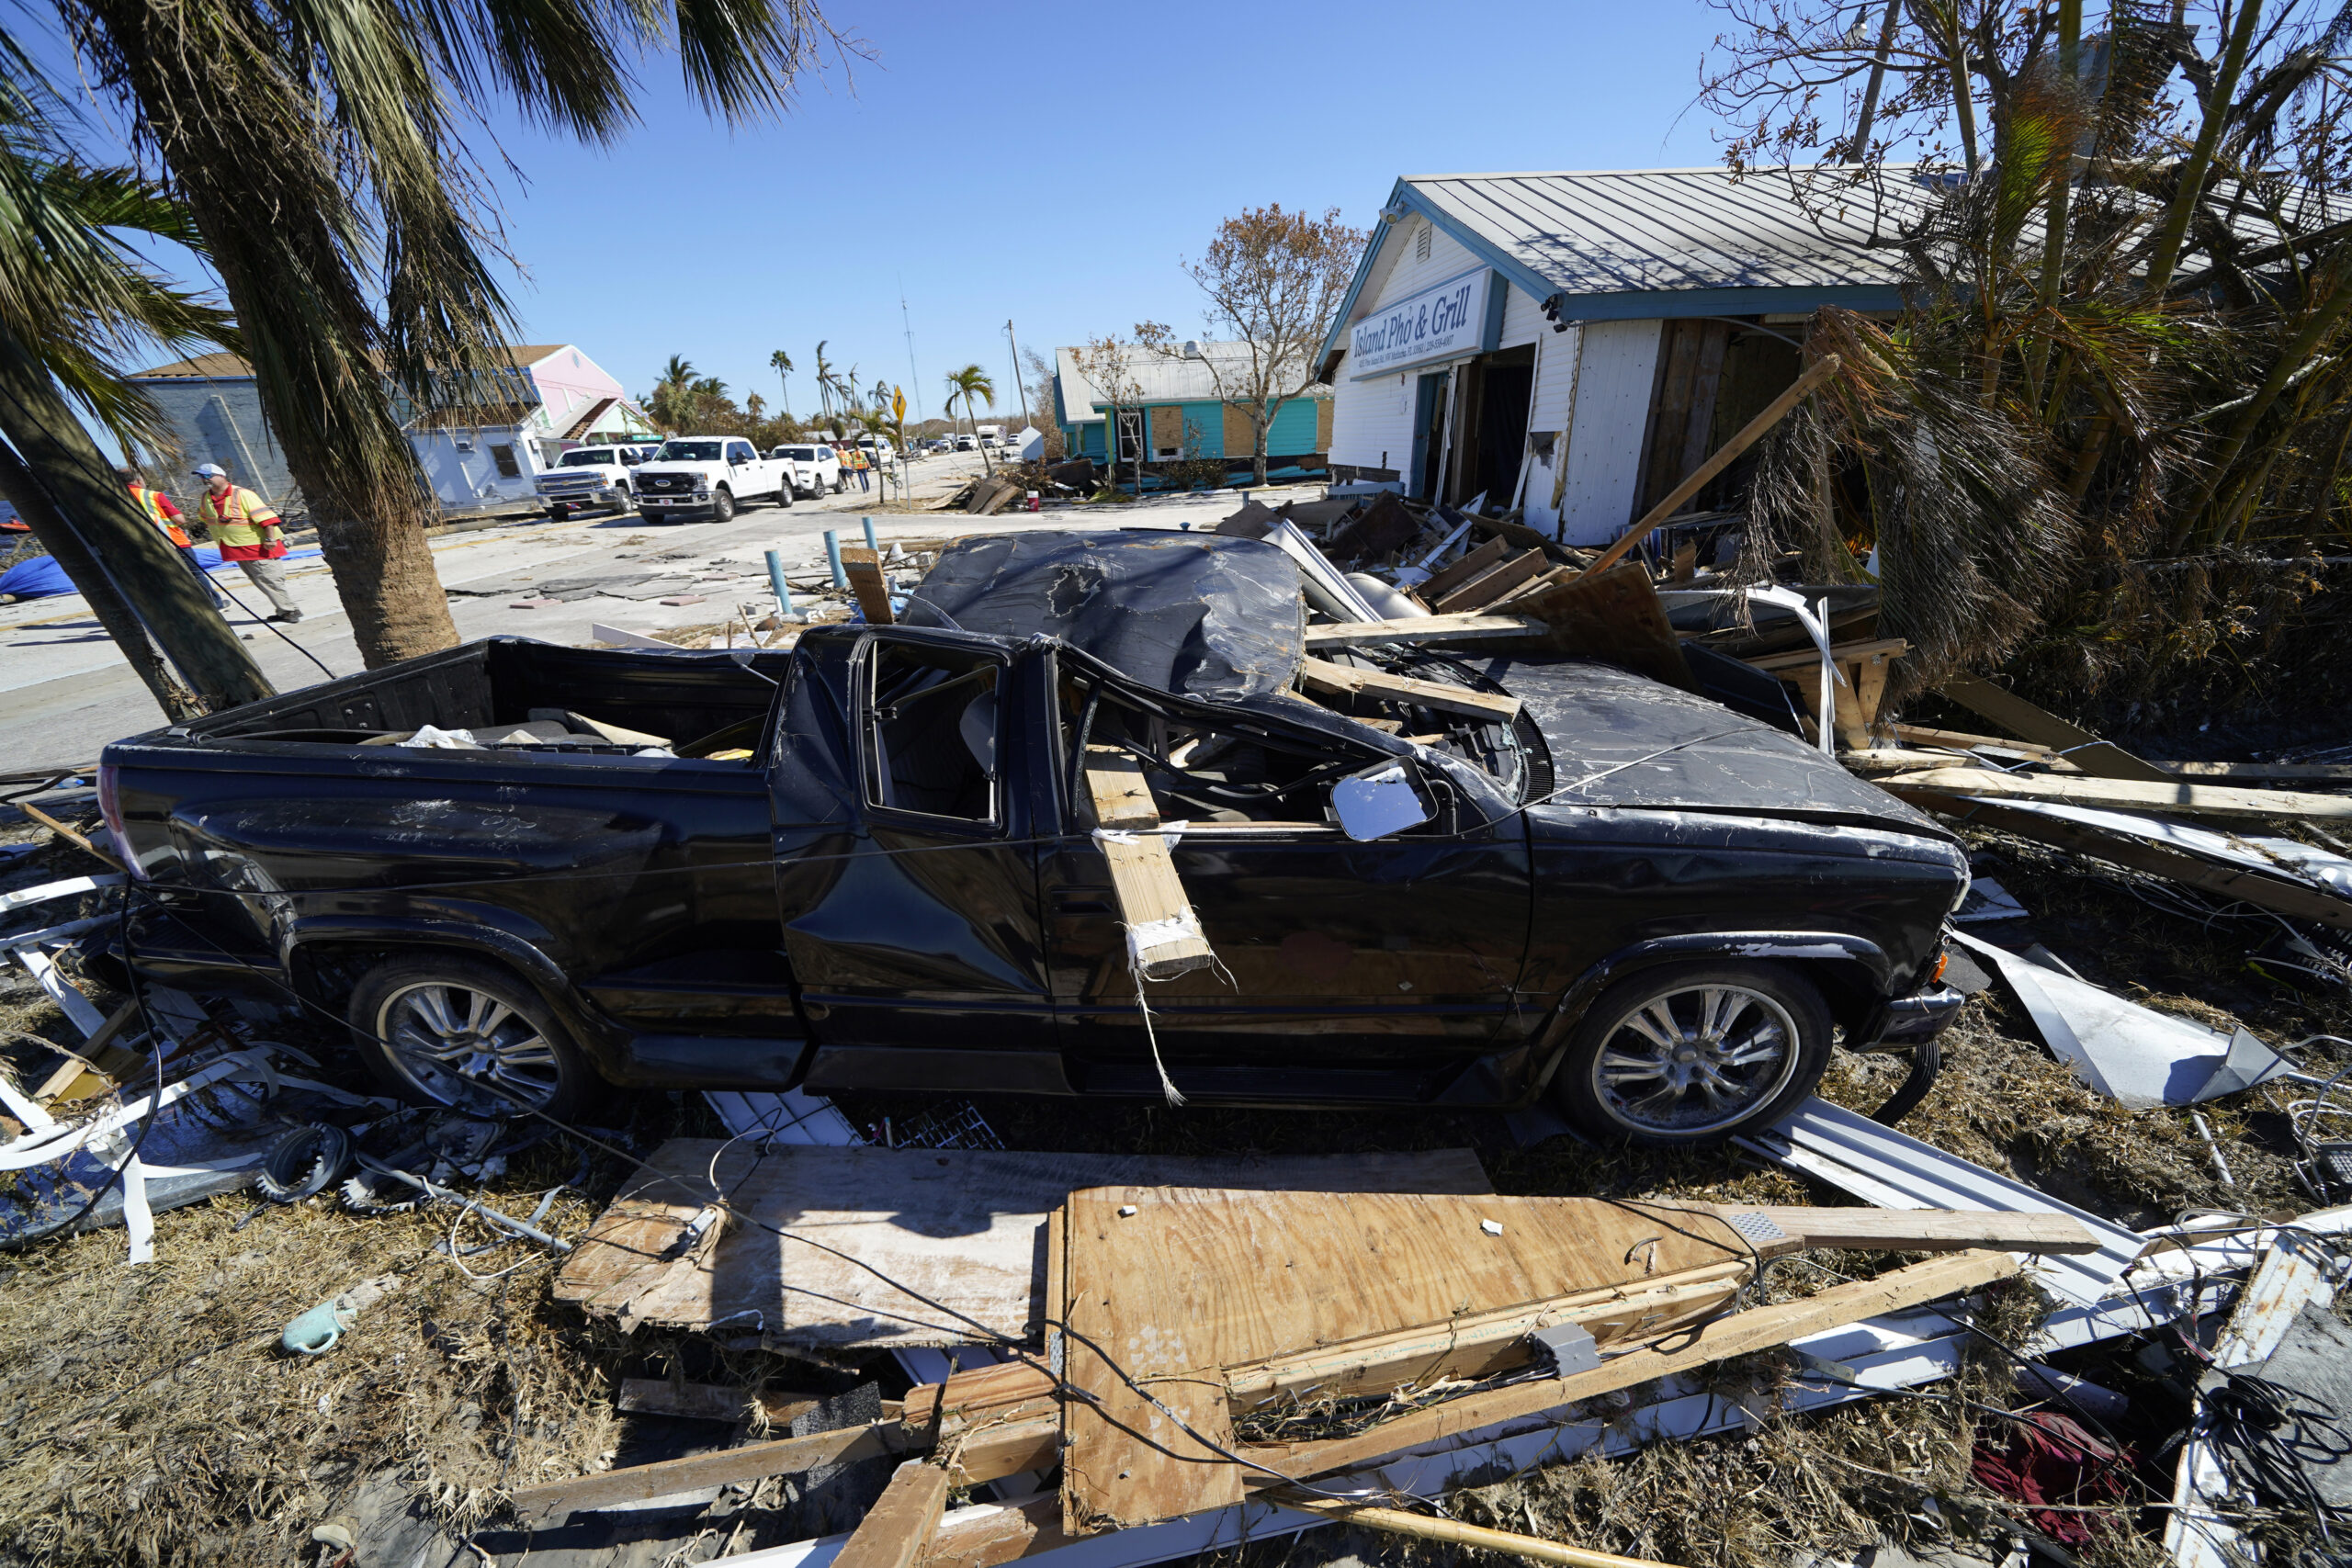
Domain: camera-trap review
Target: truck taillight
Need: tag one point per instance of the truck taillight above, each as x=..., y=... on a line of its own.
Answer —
x=110, y=808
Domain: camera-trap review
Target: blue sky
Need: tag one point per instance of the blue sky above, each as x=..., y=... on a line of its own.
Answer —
x=1053, y=163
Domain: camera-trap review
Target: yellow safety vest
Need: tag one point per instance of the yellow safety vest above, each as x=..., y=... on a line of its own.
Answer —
x=154, y=505
x=241, y=526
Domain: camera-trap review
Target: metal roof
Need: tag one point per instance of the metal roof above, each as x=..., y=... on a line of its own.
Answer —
x=1076, y=392
x=1163, y=378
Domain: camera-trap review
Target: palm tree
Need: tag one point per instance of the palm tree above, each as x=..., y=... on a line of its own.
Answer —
x=824, y=382
x=781, y=363
x=321, y=156
x=672, y=404
x=966, y=385
x=74, y=301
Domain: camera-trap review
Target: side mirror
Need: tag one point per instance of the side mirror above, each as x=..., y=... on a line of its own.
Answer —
x=1379, y=801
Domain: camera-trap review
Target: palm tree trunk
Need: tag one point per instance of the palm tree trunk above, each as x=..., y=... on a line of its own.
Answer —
x=257, y=185
x=134, y=580
x=19, y=485
x=2166, y=250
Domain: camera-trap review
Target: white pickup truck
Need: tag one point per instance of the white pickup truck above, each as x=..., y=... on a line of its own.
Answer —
x=590, y=476
x=816, y=468
x=707, y=476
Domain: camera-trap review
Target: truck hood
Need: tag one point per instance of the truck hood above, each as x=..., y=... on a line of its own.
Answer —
x=1625, y=740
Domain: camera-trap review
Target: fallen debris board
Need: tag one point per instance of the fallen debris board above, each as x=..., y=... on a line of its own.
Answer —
x=2277, y=873
x=2136, y=1056
x=864, y=569
x=1165, y=1288
x=1491, y=584
x=707, y=1402
x=1485, y=559
x=1893, y=1170
x=2264, y=772
x=1613, y=616
x=2173, y=796
x=2083, y=748
x=958, y=1226
x=1433, y=629
x=727, y=1467
x=1164, y=938
x=900, y=1525
x=1322, y=675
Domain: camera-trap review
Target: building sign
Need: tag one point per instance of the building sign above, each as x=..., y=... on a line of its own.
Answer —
x=1443, y=322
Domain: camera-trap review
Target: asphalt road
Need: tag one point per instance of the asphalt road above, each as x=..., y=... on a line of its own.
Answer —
x=65, y=691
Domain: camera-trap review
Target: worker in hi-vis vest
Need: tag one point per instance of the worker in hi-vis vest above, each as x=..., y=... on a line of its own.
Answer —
x=246, y=528
x=166, y=516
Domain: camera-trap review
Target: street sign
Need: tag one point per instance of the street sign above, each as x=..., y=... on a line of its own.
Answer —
x=899, y=405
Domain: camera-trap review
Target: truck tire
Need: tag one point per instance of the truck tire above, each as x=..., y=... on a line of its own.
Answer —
x=1688, y=1054
x=784, y=494
x=446, y=1030
x=559, y=513
x=722, y=504
x=624, y=503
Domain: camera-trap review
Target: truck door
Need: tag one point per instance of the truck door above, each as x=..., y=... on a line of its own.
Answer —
x=909, y=887
x=1382, y=971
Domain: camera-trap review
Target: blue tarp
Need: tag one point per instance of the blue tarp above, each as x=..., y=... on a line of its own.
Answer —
x=41, y=576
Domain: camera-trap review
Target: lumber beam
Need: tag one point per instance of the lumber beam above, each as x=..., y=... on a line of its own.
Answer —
x=2171, y=797
x=2103, y=759
x=2226, y=882
x=2262, y=772
x=1912, y=1230
x=707, y=1402
x=996, y=1450
x=900, y=1526
x=1493, y=583
x=1431, y=629
x=1164, y=936
x=969, y=1396
x=1740, y=1334
x=1323, y=675
x=1484, y=559
x=1453, y=1532
x=1809, y=657
x=727, y=1467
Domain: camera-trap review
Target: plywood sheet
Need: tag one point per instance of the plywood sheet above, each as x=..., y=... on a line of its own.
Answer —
x=963, y=1228
x=1168, y=1286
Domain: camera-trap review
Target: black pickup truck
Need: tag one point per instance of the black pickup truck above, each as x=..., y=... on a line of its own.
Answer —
x=865, y=864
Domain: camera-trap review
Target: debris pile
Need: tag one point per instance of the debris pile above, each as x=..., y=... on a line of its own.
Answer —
x=2078, y=1304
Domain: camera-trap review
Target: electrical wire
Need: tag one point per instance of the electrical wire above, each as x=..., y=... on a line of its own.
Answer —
x=273, y=626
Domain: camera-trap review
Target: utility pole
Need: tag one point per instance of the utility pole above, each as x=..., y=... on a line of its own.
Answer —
x=1016, y=371
x=915, y=376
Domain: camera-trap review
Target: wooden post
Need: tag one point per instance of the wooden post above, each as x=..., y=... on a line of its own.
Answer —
x=864, y=569
x=899, y=1526
x=1698, y=477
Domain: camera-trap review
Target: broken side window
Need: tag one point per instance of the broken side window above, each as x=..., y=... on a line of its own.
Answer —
x=930, y=728
x=1205, y=772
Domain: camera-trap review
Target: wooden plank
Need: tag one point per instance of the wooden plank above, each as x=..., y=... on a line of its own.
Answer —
x=864, y=569
x=1433, y=628
x=1533, y=585
x=2229, y=882
x=1492, y=584
x=1740, y=1334
x=2273, y=773
x=1483, y=558
x=708, y=1402
x=1168, y=1287
x=1164, y=937
x=1919, y=1230
x=898, y=1529
x=1964, y=740
x=1453, y=1532
x=727, y=1467
x=2103, y=759
x=2172, y=796
x=71, y=835
x=954, y=1227
x=1839, y=653
x=1009, y=1446
x=1322, y=675
x=111, y=1061
x=1875, y=761
x=985, y=1537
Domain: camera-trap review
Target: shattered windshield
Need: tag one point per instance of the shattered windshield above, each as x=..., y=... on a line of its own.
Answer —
x=688, y=452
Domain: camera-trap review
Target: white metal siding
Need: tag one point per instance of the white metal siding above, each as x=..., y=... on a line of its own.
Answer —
x=1369, y=418
x=1555, y=368
x=1605, y=424
x=1522, y=318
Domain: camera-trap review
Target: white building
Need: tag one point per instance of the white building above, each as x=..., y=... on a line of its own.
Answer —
x=1576, y=343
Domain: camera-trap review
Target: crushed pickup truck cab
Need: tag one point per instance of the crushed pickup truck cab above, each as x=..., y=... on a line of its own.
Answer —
x=870, y=863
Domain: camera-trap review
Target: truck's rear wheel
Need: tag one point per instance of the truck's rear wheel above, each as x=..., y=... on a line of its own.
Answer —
x=449, y=1030
x=722, y=505
x=1692, y=1054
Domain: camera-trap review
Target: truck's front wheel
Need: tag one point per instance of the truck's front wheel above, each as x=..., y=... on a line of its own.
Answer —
x=722, y=505
x=449, y=1030
x=559, y=513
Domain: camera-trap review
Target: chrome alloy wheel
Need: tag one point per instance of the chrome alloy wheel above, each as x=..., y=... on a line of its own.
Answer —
x=1696, y=1060
x=466, y=1048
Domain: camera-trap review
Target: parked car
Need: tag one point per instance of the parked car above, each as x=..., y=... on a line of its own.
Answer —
x=860, y=864
x=966, y=444
x=590, y=476
x=707, y=476
x=815, y=470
